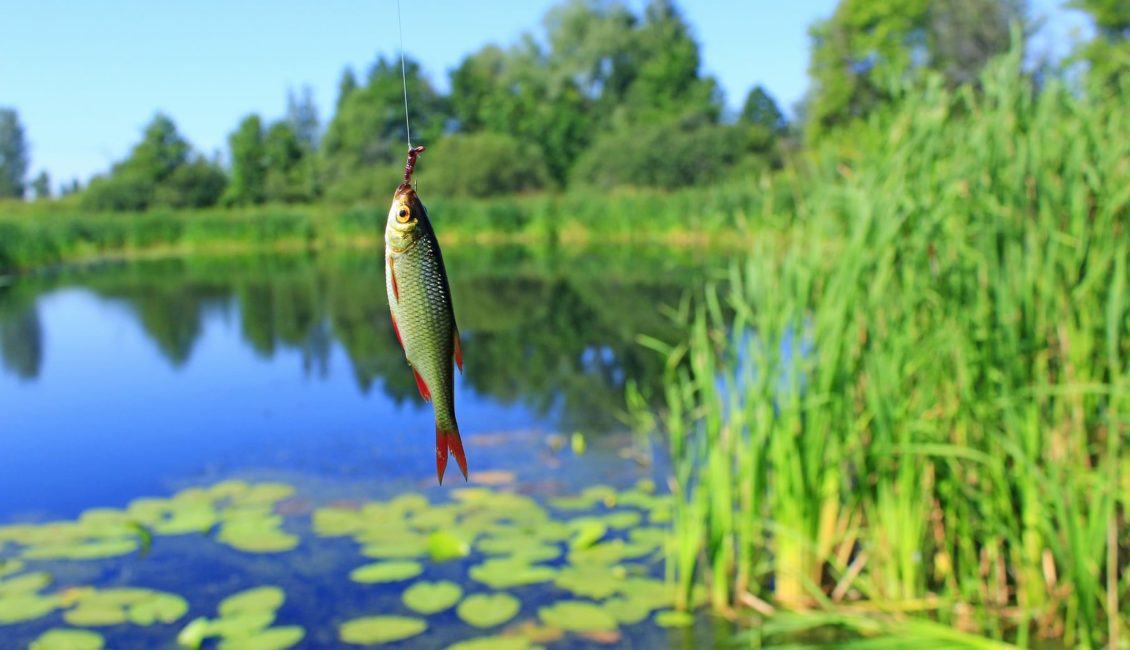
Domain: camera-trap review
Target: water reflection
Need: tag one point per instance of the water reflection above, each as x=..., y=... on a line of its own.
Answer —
x=554, y=330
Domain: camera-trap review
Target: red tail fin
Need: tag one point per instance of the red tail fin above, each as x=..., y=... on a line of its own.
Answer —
x=449, y=441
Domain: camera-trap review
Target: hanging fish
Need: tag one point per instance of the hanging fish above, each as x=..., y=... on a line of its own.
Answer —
x=419, y=299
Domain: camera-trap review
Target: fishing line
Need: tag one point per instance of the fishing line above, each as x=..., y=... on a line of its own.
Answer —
x=403, y=74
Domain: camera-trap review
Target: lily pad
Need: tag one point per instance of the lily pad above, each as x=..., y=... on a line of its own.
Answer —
x=586, y=532
x=8, y=567
x=66, y=639
x=87, y=550
x=577, y=616
x=160, y=608
x=275, y=638
x=259, y=599
x=95, y=615
x=241, y=624
x=596, y=582
x=626, y=611
x=28, y=583
x=529, y=549
x=386, y=572
x=495, y=643
x=395, y=550
x=444, y=546
x=672, y=618
x=26, y=607
x=622, y=519
x=380, y=629
x=193, y=634
x=488, y=610
x=265, y=494
x=503, y=573
x=256, y=537
x=337, y=522
x=432, y=597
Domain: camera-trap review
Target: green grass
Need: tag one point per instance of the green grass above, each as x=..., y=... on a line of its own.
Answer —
x=952, y=448
x=43, y=234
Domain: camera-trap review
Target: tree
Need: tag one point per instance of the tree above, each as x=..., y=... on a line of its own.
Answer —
x=1109, y=53
x=868, y=47
x=158, y=171
x=763, y=121
x=13, y=155
x=248, y=163
x=367, y=134
x=41, y=186
x=284, y=161
x=345, y=87
x=302, y=117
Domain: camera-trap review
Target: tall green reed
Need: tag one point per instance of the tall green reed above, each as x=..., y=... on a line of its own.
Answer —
x=953, y=441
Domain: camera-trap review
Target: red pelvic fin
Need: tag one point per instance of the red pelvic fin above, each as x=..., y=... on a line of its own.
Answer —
x=392, y=275
x=458, y=351
x=396, y=328
x=424, y=392
x=449, y=441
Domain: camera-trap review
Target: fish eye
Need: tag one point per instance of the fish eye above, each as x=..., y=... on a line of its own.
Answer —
x=403, y=214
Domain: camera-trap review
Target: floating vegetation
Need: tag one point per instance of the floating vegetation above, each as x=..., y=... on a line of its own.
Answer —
x=245, y=623
x=380, y=629
x=495, y=643
x=672, y=618
x=386, y=572
x=594, y=549
x=67, y=639
x=577, y=616
x=432, y=597
x=488, y=610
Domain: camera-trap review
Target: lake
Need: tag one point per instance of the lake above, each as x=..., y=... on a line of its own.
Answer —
x=179, y=431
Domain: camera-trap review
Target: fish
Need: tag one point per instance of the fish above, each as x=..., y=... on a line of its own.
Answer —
x=419, y=300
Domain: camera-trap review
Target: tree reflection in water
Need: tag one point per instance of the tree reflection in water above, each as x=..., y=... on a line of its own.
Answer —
x=553, y=329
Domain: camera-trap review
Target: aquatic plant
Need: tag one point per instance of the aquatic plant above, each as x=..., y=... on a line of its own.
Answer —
x=918, y=405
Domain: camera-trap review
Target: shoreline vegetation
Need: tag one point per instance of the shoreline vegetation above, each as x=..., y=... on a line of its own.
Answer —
x=36, y=236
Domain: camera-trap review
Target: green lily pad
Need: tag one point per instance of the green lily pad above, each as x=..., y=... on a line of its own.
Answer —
x=65, y=639
x=577, y=616
x=259, y=599
x=495, y=643
x=230, y=489
x=648, y=591
x=435, y=518
x=503, y=573
x=193, y=634
x=409, y=502
x=186, y=517
x=264, y=494
x=256, y=536
x=444, y=546
x=28, y=583
x=160, y=608
x=275, y=638
x=8, y=567
x=586, y=532
x=596, y=582
x=337, y=522
x=95, y=615
x=241, y=624
x=26, y=607
x=622, y=519
x=88, y=550
x=572, y=503
x=607, y=553
x=626, y=611
x=120, y=597
x=529, y=549
x=380, y=629
x=488, y=610
x=672, y=618
x=432, y=597
x=395, y=550
x=386, y=572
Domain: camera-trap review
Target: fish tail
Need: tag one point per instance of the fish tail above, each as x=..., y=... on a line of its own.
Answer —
x=449, y=441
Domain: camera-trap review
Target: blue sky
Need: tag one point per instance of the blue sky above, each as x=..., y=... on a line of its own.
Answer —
x=87, y=76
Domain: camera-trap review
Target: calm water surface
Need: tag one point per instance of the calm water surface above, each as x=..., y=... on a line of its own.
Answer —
x=124, y=381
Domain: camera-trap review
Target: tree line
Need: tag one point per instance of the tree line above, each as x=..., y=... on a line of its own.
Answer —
x=599, y=97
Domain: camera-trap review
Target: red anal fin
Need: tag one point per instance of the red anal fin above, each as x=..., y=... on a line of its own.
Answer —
x=424, y=392
x=395, y=288
x=458, y=351
x=449, y=441
x=396, y=328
